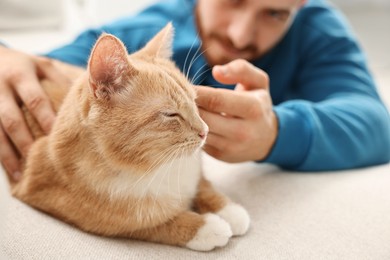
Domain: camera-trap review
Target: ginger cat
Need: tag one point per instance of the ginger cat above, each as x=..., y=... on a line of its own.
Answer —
x=123, y=157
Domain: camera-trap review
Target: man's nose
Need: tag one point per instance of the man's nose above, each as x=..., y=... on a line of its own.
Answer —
x=242, y=31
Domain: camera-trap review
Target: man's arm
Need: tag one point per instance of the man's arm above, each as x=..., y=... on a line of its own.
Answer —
x=339, y=121
x=346, y=132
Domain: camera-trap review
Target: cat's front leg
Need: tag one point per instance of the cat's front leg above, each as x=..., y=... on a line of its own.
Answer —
x=209, y=200
x=189, y=229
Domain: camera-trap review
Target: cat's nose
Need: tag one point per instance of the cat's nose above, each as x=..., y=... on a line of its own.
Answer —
x=203, y=135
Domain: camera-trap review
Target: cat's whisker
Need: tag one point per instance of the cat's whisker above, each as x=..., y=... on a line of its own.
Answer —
x=169, y=173
x=156, y=195
x=178, y=176
x=205, y=65
x=178, y=173
x=197, y=72
x=140, y=214
x=196, y=56
x=159, y=159
x=192, y=59
x=179, y=153
x=168, y=157
x=162, y=158
x=196, y=76
x=198, y=158
x=214, y=86
x=188, y=54
x=173, y=156
x=169, y=182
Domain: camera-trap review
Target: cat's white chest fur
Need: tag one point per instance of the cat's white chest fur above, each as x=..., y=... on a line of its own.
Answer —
x=177, y=179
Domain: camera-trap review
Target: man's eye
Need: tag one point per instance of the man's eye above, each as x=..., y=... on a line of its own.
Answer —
x=277, y=15
x=234, y=2
x=274, y=14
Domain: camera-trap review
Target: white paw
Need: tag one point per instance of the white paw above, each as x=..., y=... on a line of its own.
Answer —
x=214, y=233
x=237, y=217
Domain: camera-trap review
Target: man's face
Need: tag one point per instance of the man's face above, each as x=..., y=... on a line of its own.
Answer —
x=246, y=29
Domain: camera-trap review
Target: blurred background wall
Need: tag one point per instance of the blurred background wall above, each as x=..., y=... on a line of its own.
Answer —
x=22, y=14
x=361, y=2
x=27, y=14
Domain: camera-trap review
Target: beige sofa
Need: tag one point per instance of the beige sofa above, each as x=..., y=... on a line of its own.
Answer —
x=339, y=215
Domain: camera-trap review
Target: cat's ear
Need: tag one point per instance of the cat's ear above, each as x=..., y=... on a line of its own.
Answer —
x=109, y=68
x=161, y=44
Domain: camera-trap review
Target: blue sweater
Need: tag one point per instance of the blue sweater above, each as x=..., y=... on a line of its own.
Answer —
x=330, y=115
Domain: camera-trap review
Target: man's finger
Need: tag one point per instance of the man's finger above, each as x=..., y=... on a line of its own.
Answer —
x=232, y=103
x=241, y=72
x=212, y=151
x=36, y=101
x=218, y=149
x=46, y=68
x=216, y=141
x=220, y=125
x=8, y=157
x=13, y=123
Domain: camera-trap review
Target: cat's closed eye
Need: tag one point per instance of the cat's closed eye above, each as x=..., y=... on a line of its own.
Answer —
x=171, y=114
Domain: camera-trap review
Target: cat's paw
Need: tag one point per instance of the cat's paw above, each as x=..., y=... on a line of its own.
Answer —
x=214, y=233
x=237, y=217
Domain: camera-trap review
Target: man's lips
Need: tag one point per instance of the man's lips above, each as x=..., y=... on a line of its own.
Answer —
x=231, y=51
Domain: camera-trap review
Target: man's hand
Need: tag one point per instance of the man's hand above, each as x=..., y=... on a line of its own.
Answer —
x=19, y=84
x=242, y=123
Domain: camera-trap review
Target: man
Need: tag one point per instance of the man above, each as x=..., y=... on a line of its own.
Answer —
x=306, y=100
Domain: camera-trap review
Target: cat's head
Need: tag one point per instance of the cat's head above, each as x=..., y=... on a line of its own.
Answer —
x=141, y=107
